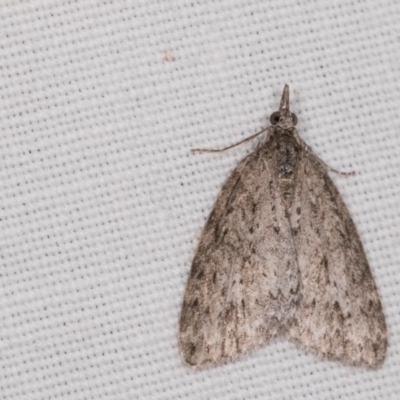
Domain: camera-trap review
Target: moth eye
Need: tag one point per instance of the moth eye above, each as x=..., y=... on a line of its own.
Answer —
x=274, y=118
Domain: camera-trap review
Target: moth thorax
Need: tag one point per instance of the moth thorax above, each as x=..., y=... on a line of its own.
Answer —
x=286, y=156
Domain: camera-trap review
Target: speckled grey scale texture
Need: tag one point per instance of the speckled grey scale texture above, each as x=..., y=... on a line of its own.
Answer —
x=280, y=255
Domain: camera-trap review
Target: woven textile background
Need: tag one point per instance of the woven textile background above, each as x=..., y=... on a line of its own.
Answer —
x=102, y=203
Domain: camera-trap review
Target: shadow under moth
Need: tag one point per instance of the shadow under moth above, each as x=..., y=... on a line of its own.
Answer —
x=281, y=256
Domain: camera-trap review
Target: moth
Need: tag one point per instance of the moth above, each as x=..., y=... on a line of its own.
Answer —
x=281, y=256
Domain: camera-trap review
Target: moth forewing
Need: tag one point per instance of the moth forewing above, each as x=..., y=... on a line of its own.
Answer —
x=280, y=255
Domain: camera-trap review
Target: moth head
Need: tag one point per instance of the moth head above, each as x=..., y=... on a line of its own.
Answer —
x=284, y=118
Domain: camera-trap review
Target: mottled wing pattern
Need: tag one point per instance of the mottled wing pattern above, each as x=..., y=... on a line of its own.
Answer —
x=340, y=315
x=244, y=279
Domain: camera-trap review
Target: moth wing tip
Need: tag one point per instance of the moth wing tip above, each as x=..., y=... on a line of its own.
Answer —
x=194, y=363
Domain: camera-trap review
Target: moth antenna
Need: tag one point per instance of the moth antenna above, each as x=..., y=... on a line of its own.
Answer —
x=310, y=150
x=231, y=146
